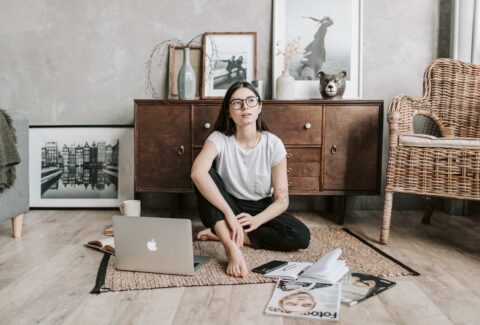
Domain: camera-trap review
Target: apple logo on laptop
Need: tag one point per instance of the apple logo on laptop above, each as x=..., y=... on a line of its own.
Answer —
x=152, y=245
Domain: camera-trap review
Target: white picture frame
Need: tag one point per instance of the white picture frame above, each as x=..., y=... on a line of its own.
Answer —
x=236, y=52
x=292, y=19
x=80, y=166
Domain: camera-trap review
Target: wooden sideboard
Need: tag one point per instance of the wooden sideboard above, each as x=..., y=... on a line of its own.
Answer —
x=333, y=147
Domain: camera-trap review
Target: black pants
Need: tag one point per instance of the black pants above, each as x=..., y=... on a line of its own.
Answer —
x=283, y=233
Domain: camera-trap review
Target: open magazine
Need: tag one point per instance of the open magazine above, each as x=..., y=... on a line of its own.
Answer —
x=328, y=269
x=357, y=287
x=305, y=299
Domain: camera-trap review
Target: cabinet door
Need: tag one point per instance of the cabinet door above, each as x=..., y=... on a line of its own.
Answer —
x=162, y=147
x=352, y=148
x=204, y=118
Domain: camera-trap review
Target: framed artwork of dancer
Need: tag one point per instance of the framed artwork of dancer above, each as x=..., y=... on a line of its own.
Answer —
x=327, y=37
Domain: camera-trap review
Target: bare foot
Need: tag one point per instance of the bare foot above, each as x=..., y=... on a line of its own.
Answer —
x=207, y=234
x=236, y=263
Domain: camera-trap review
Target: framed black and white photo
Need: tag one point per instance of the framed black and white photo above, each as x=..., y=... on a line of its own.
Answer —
x=81, y=166
x=329, y=35
x=227, y=58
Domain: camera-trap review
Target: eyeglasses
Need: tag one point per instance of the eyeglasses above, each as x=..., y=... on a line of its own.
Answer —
x=251, y=101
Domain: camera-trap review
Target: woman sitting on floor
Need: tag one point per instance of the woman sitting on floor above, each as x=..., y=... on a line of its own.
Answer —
x=235, y=200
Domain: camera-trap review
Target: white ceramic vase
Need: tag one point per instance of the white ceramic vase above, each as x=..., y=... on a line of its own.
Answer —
x=285, y=86
x=186, y=77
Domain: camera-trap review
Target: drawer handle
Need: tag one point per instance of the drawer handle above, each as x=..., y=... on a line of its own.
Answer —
x=181, y=150
x=333, y=149
x=308, y=126
x=289, y=170
x=289, y=155
x=207, y=125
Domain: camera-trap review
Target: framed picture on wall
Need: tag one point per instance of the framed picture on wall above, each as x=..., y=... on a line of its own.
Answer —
x=175, y=63
x=81, y=166
x=227, y=58
x=329, y=39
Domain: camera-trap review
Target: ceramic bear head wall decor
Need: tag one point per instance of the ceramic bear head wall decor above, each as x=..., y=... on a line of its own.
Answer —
x=332, y=86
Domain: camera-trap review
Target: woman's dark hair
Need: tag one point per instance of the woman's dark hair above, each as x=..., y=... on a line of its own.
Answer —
x=224, y=123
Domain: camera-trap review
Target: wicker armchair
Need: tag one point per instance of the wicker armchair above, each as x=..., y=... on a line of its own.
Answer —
x=445, y=166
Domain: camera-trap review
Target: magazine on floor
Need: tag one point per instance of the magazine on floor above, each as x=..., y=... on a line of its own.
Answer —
x=328, y=269
x=311, y=300
x=357, y=287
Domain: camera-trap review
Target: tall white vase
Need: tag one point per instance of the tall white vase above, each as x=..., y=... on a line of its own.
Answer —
x=285, y=86
x=186, y=77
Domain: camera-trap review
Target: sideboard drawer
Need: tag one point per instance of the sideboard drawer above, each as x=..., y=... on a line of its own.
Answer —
x=303, y=155
x=303, y=169
x=303, y=184
x=295, y=124
x=204, y=117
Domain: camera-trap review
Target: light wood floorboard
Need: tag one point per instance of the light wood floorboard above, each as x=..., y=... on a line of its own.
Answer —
x=46, y=276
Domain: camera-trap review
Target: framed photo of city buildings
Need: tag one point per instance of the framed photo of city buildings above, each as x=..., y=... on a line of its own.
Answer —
x=81, y=166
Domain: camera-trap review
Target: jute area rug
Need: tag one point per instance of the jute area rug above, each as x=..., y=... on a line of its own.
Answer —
x=360, y=256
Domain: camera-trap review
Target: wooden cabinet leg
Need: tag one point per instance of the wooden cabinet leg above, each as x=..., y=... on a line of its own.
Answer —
x=337, y=205
x=17, y=223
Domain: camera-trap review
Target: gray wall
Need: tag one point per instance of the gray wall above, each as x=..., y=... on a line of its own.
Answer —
x=83, y=61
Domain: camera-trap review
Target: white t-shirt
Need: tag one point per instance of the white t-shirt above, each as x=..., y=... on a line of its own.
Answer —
x=247, y=174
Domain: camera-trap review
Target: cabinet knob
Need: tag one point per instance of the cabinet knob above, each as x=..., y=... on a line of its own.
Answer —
x=289, y=155
x=181, y=150
x=333, y=149
x=289, y=183
x=308, y=126
x=289, y=170
x=207, y=125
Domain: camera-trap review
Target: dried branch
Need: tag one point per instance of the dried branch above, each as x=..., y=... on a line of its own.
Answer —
x=159, y=51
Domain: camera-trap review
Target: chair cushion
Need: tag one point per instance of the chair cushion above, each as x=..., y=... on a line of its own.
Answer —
x=424, y=140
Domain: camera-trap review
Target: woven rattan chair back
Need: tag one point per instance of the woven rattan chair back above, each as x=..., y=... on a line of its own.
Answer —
x=453, y=87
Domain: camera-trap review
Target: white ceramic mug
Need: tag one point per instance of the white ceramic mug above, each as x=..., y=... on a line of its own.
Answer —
x=131, y=208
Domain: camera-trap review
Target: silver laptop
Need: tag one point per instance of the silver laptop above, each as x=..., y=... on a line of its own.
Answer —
x=159, y=245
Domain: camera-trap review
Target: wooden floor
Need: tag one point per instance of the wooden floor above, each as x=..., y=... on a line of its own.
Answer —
x=46, y=277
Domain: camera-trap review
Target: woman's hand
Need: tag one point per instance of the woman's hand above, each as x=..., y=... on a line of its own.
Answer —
x=236, y=230
x=246, y=219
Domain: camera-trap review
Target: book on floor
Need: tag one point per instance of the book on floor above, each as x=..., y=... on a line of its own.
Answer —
x=357, y=287
x=328, y=269
x=106, y=245
x=311, y=300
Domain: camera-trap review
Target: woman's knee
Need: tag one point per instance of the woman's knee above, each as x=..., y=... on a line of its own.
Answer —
x=300, y=237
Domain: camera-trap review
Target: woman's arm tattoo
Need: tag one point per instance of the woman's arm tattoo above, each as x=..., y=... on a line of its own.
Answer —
x=282, y=197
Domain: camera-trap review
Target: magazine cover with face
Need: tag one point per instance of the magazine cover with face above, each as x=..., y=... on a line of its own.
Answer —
x=305, y=299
